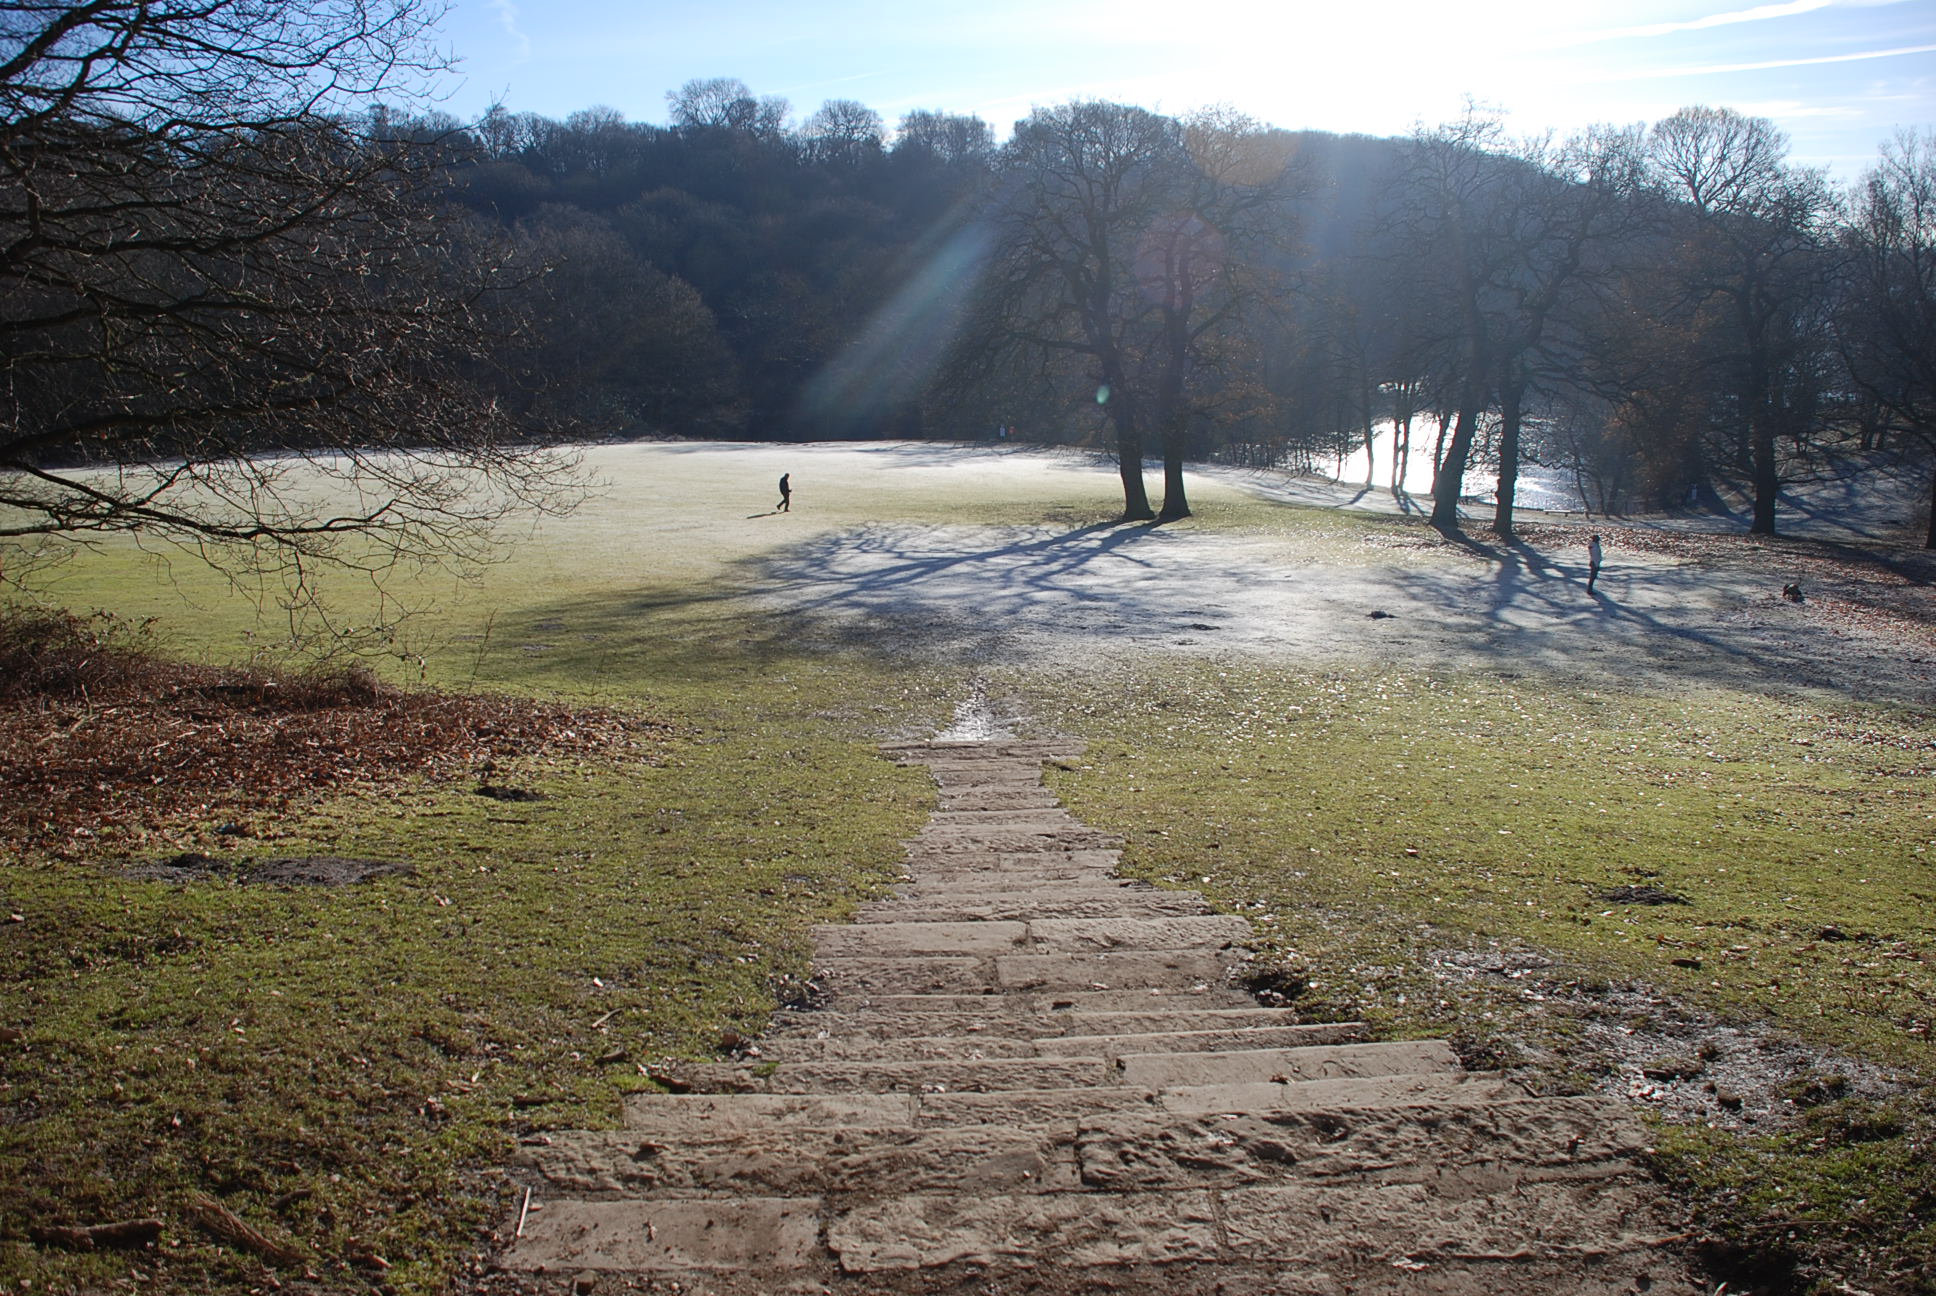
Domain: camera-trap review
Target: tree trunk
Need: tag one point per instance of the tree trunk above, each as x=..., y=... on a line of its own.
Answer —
x=1401, y=451
x=1129, y=466
x=1450, y=481
x=1129, y=441
x=1176, y=504
x=1509, y=416
x=1371, y=435
x=1929, y=539
x=1761, y=436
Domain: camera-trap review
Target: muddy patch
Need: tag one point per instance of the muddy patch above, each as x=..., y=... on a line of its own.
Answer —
x=1631, y=1042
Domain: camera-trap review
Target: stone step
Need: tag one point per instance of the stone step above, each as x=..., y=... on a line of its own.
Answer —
x=1034, y=751
x=965, y=774
x=1038, y=936
x=1304, y=1224
x=990, y=1044
x=698, y=1114
x=1005, y=888
x=1528, y=1140
x=857, y=975
x=996, y=1015
x=1168, y=997
x=997, y=797
x=1022, y=905
x=953, y=886
x=949, y=847
x=1031, y=862
x=1146, y=1071
x=1033, y=819
x=1454, y=1227
x=1018, y=1107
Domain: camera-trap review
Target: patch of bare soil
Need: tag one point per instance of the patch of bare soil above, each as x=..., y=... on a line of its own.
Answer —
x=103, y=741
x=1630, y=1041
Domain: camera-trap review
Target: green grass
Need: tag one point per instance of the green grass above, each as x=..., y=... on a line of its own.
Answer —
x=1370, y=820
x=348, y=1067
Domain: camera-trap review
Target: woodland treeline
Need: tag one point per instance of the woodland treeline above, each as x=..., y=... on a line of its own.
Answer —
x=1661, y=311
x=220, y=253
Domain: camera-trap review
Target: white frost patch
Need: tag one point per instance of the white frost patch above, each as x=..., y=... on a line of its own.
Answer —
x=975, y=721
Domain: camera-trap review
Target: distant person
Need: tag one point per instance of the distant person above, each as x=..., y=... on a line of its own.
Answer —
x=1593, y=557
x=786, y=500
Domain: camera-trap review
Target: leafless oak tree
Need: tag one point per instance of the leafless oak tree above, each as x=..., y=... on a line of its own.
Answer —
x=231, y=316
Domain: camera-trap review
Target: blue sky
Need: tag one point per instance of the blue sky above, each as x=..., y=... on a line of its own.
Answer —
x=1838, y=75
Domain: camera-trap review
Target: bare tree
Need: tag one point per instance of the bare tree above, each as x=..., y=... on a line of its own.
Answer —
x=1887, y=324
x=1575, y=202
x=1457, y=197
x=948, y=137
x=725, y=103
x=1203, y=262
x=1081, y=186
x=230, y=319
x=1758, y=226
x=1129, y=242
x=845, y=132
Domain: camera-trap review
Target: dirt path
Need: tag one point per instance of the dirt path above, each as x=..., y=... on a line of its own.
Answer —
x=1029, y=1075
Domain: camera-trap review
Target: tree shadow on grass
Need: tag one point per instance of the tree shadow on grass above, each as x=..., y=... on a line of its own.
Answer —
x=977, y=594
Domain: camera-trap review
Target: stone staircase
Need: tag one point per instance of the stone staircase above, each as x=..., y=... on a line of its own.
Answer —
x=1029, y=1075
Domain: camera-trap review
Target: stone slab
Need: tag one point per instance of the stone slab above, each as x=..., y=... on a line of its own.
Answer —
x=1499, y=1145
x=1013, y=1042
x=734, y=1112
x=1324, y=1062
x=883, y=1076
x=1032, y=817
x=1231, y=1039
x=793, y=1161
x=1411, y=1090
x=1021, y=906
x=925, y=1231
x=1005, y=841
x=851, y=1048
x=850, y=975
x=998, y=1015
x=983, y=879
x=1078, y=935
x=1111, y=971
x=1405, y=1222
x=997, y=797
x=767, y=1234
x=885, y=940
x=1046, y=1106
x=1163, y=998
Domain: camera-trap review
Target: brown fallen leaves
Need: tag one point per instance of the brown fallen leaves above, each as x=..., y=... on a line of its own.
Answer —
x=100, y=738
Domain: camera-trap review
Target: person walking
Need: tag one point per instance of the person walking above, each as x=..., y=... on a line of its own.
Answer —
x=1593, y=556
x=786, y=498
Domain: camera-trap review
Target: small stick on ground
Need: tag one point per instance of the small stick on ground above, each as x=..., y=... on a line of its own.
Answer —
x=233, y=1229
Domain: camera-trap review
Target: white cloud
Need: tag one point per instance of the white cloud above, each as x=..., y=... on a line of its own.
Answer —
x=1709, y=69
x=507, y=18
x=1760, y=13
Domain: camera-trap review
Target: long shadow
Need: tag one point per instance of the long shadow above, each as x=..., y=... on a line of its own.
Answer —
x=859, y=570
x=887, y=590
